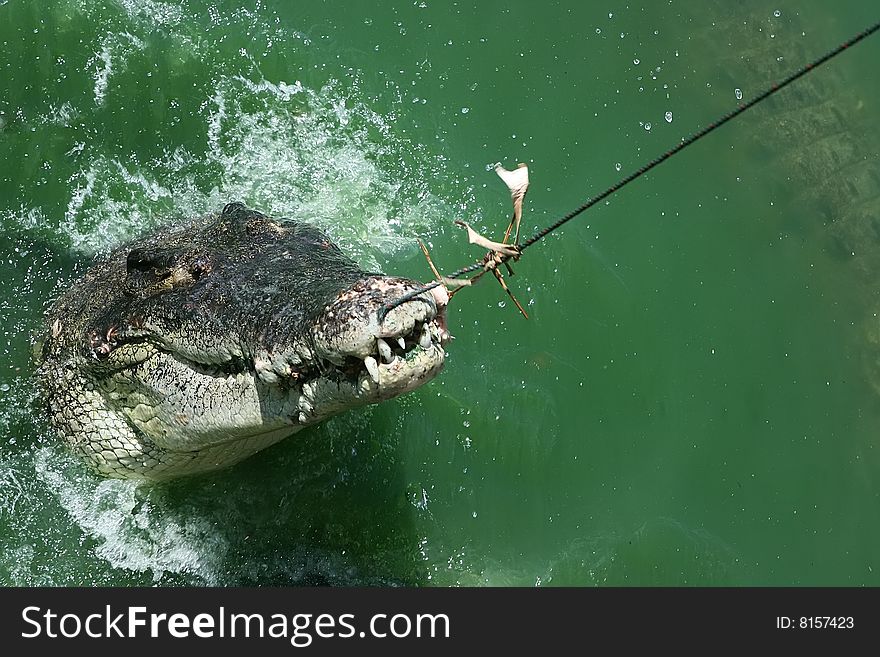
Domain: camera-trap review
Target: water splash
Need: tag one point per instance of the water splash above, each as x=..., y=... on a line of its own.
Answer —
x=132, y=529
x=320, y=154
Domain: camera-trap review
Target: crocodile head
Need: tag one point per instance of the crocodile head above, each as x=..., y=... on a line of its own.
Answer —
x=198, y=345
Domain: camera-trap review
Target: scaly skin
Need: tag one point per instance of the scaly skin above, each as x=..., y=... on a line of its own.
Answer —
x=199, y=345
x=818, y=132
x=818, y=137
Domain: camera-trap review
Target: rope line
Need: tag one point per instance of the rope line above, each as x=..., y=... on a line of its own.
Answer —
x=772, y=89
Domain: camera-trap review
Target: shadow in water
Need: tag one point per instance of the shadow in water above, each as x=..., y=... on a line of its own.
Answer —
x=325, y=507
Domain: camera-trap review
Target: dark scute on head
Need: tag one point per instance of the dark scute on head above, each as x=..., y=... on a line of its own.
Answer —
x=234, y=208
x=269, y=278
x=152, y=259
x=237, y=274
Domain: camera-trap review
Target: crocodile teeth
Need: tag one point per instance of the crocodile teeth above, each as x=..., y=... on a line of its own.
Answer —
x=372, y=368
x=425, y=339
x=401, y=342
x=384, y=350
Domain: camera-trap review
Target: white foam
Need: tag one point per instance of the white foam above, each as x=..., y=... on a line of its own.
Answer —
x=63, y=115
x=28, y=218
x=150, y=13
x=11, y=489
x=321, y=155
x=305, y=160
x=103, y=63
x=134, y=530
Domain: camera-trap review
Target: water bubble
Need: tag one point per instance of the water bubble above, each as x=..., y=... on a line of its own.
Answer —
x=668, y=117
x=739, y=93
x=617, y=167
x=636, y=62
x=777, y=13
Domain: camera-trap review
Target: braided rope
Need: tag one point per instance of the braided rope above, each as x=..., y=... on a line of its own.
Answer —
x=742, y=107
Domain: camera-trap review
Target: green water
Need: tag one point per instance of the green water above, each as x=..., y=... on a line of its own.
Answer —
x=691, y=402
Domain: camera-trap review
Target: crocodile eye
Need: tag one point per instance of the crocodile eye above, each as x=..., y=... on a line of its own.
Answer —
x=100, y=345
x=199, y=266
x=139, y=260
x=153, y=259
x=155, y=270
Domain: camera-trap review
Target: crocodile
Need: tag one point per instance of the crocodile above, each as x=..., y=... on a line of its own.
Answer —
x=204, y=342
x=816, y=136
x=818, y=141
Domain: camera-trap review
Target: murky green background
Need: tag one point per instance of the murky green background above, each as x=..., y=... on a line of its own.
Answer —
x=692, y=401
